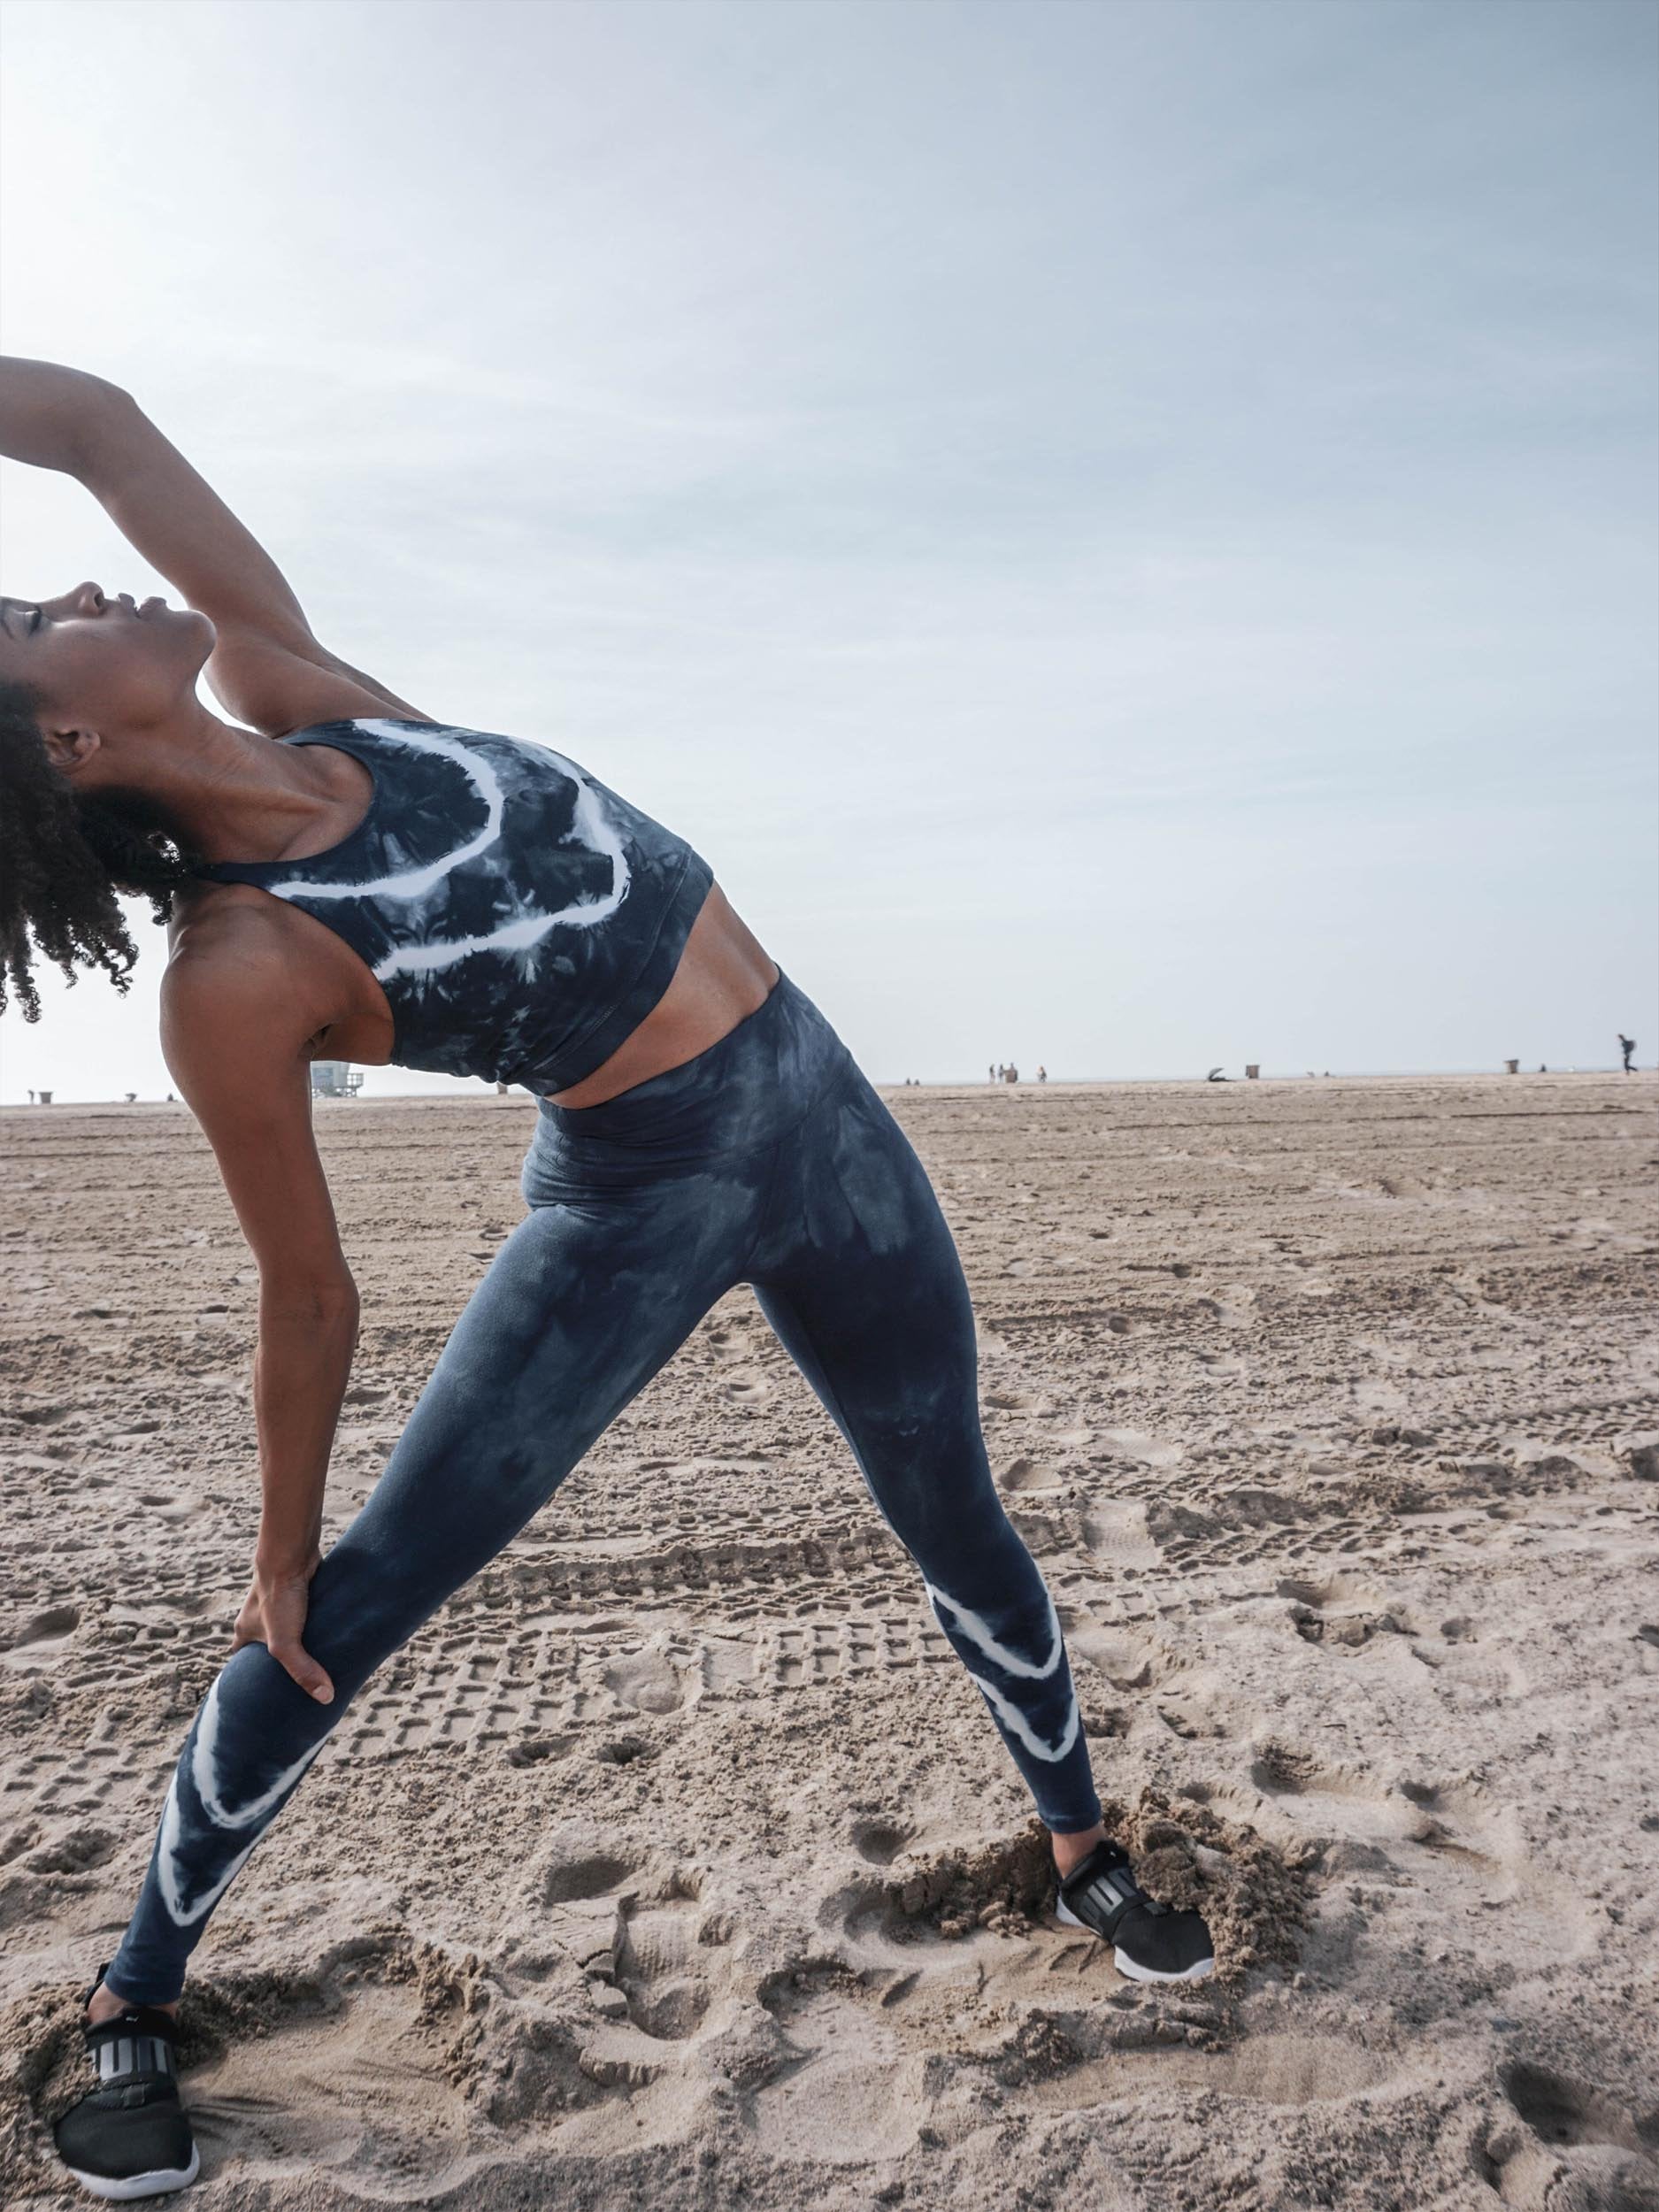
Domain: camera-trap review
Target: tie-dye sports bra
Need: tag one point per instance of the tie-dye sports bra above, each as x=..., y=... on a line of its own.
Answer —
x=521, y=918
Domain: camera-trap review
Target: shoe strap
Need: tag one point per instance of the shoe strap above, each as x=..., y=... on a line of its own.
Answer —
x=137, y=2040
x=1106, y=1880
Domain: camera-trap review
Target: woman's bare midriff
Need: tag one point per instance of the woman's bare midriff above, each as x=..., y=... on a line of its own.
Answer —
x=725, y=973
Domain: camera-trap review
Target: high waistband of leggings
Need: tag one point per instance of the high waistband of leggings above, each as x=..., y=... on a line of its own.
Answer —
x=746, y=1089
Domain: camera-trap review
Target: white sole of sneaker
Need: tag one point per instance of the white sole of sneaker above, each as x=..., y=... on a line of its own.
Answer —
x=156, y=2185
x=1199, y=1971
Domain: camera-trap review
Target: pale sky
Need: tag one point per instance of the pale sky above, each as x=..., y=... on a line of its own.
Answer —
x=1125, y=533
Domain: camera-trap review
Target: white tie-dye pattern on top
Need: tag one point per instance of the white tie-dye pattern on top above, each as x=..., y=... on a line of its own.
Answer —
x=523, y=951
x=414, y=883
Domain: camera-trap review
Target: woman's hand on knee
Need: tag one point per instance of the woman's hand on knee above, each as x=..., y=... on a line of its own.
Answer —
x=273, y=1614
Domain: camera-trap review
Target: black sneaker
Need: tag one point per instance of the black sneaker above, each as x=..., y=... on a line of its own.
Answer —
x=1150, y=1942
x=129, y=2137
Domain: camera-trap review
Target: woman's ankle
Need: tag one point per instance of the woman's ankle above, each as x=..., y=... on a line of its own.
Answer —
x=1070, y=1851
x=103, y=2005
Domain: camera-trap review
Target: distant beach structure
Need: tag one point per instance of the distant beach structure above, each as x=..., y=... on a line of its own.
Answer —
x=335, y=1078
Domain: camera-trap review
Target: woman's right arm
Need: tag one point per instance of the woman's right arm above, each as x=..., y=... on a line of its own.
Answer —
x=266, y=668
x=237, y=1017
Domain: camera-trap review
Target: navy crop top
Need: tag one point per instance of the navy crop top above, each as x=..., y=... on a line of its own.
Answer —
x=521, y=918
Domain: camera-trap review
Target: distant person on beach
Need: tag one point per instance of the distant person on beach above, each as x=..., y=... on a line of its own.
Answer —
x=338, y=869
x=1627, y=1046
x=1010, y=1073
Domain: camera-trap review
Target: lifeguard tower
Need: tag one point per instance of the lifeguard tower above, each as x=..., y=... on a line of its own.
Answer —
x=335, y=1078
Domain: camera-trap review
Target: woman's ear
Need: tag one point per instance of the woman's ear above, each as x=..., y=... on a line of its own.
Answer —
x=70, y=751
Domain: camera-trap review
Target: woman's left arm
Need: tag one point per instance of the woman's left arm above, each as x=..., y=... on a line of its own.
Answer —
x=51, y=415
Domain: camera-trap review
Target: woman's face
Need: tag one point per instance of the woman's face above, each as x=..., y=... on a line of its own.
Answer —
x=104, y=665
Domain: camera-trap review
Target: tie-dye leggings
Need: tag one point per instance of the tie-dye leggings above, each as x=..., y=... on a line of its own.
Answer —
x=769, y=1160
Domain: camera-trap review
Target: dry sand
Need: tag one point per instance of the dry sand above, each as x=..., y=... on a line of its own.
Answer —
x=676, y=1863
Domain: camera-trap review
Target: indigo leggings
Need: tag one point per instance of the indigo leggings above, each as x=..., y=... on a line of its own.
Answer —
x=769, y=1160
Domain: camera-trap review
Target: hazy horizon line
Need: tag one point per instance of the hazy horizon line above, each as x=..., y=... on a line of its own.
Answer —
x=944, y=1083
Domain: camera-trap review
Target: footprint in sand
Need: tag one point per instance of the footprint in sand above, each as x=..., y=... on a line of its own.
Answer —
x=662, y=1962
x=51, y=1626
x=852, y=2088
x=41, y=1637
x=1278, y=1770
x=1221, y=1366
x=1562, y=2111
x=1455, y=1824
x=76, y=1852
x=729, y=1340
x=574, y=1870
x=1125, y=1662
x=653, y=1680
x=1134, y=1444
x=746, y=1388
x=880, y=1841
x=1024, y=1475
x=1341, y=1616
x=530, y=1751
x=650, y=1956
x=1116, y=1530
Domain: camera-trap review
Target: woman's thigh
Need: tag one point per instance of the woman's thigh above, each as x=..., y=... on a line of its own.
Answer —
x=591, y=1294
x=862, y=1282
x=859, y=1276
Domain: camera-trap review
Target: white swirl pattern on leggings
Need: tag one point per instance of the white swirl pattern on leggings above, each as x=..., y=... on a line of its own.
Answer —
x=978, y=1630
x=525, y=930
x=205, y=1778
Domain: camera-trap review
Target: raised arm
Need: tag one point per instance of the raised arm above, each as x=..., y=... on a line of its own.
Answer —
x=267, y=667
x=236, y=1019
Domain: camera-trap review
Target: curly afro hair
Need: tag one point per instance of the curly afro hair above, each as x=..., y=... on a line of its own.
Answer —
x=65, y=858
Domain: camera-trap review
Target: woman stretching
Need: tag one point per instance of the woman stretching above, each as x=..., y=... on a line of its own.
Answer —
x=343, y=875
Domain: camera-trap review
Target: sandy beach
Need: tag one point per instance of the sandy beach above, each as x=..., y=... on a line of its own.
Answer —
x=676, y=1863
